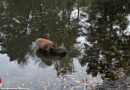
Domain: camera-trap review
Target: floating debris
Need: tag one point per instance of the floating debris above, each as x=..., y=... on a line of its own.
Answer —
x=22, y=84
x=7, y=74
x=16, y=20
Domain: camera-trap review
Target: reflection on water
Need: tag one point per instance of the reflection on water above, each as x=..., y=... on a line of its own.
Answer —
x=96, y=35
x=127, y=31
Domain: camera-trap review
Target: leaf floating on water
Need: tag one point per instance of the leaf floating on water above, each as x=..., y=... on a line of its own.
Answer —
x=42, y=85
x=31, y=82
x=49, y=84
x=7, y=74
x=108, y=52
x=54, y=84
x=22, y=84
x=72, y=88
x=42, y=82
x=17, y=21
x=65, y=86
x=19, y=87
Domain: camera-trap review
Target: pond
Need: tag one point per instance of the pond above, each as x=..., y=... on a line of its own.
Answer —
x=95, y=33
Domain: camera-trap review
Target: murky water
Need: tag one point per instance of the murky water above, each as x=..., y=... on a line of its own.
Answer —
x=96, y=35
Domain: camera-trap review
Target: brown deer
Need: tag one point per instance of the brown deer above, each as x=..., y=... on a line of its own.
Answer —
x=48, y=46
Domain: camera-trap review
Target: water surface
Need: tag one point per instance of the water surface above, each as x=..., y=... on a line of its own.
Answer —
x=96, y=35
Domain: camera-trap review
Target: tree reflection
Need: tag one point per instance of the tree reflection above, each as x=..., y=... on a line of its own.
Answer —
x=47, y=19
x=110, y=46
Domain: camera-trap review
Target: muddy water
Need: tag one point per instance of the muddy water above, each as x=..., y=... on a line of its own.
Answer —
x=96, y=35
